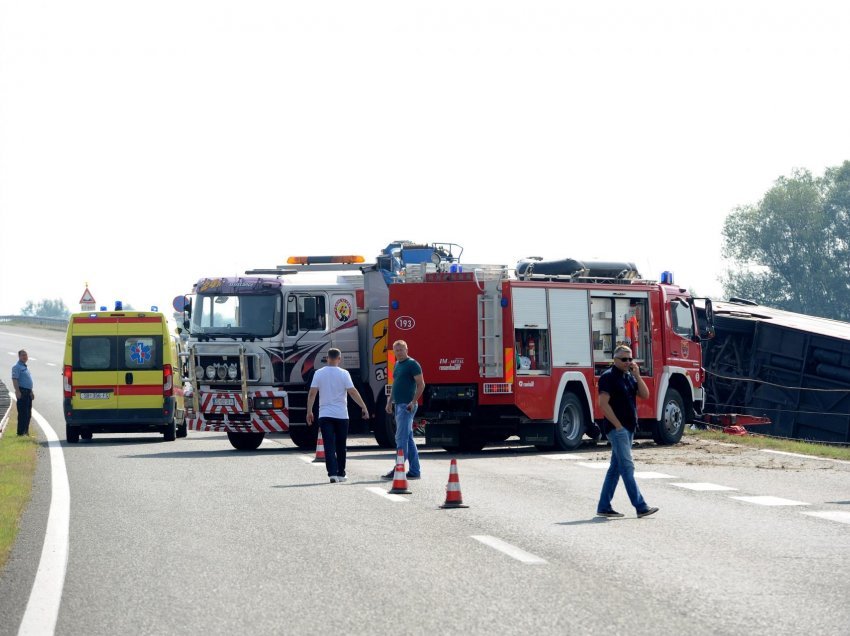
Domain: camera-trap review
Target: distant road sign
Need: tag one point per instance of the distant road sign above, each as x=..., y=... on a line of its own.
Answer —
x=179, y=303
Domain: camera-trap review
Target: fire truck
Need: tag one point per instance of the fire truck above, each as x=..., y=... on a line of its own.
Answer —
x=254, y=341
x=519, y=353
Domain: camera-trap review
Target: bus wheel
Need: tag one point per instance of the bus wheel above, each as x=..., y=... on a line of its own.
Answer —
x=245, y=441
x=569, y=428
x=669, y=429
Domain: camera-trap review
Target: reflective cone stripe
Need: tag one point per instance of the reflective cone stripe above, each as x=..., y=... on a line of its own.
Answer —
x=399, y=476
x=453, y=497
x=320, y=448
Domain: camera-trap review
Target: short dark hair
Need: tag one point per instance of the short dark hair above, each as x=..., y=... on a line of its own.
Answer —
x=334, y=353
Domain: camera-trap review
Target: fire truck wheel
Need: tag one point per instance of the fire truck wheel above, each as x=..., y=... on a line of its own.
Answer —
x=304, y=437
x=669, y=429
x=245, y=441
x=384, y=426
x=72, y=434
x=571, y=422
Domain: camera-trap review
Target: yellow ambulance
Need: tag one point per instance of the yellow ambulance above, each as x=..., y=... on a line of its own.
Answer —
x=121, y=374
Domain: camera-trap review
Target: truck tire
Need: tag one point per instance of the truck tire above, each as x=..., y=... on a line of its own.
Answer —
x=182, y=430
x=169, y=434
x=304, y=437
x=86, y=435
x=245, y=441
x=668, y=430
x=72, y=434
x=384, y=427
x=569, y=428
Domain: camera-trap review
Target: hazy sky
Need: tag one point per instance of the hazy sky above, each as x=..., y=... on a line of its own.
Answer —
x=144, y=145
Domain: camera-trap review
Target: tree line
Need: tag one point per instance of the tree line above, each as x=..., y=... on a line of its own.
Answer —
x=791, y=250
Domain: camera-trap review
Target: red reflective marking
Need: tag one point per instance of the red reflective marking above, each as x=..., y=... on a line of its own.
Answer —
x=121, y=319
x=140, y=389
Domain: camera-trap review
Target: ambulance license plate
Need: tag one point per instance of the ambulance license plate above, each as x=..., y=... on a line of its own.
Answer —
x=98, y=395
x=224, y=402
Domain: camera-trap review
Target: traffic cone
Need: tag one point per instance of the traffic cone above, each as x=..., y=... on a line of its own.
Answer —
x=399, y=476
x=453, y=497
x=320, y=449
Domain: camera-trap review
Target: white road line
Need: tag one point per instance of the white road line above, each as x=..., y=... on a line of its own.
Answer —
x=703, y=486
x=832, y=515
x=509, y=549
x=387, y=495
x=572, y=456
x=766, y=500
x=823, y=459
x=46, y=595
x=597, y=465
x=309, y=460
x=652, y=475
x=50, y=364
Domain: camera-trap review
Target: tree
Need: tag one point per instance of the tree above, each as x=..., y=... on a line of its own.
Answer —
x=792, y=248
x=46, y=309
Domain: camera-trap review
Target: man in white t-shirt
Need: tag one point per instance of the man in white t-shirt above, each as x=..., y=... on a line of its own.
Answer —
x=334, y=385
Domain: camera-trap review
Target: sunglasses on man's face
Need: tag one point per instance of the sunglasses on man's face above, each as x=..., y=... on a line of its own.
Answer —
x=624, y=359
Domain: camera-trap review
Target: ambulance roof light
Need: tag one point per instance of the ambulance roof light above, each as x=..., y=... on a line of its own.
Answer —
x=103, y=307
x=666, y=278
x=118, y=305
x=154, y=308
x=348, y=259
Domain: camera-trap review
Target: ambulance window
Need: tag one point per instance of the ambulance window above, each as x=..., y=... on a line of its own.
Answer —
x=141, y=352
x=683, y=320
x=93, y=353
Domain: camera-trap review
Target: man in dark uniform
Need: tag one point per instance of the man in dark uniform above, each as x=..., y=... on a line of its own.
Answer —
x=22, y=381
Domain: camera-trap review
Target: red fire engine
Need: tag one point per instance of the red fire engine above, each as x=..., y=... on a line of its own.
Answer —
x=521, y=355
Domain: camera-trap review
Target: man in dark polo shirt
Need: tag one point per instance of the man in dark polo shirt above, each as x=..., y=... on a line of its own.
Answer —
x=408, y=385
x=619, y=388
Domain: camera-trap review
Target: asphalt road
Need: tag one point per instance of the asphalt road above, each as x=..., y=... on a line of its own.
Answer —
x=191, y=537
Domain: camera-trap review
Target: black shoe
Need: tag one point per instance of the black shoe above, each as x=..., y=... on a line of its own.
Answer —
x=612, y=514
x=389, y=476
x=412, y=476
x=647, y=512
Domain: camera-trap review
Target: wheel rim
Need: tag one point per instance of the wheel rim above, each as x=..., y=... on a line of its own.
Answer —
x=673, y=417
x=570, y=419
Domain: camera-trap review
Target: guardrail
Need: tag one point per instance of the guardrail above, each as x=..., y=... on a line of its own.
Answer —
x=40, y=321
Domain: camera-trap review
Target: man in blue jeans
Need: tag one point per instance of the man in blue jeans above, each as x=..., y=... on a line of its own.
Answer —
x=619, y=388
x=408, y=385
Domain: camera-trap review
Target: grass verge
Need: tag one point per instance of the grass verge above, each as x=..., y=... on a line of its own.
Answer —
x=17, y=466
x=772, y=443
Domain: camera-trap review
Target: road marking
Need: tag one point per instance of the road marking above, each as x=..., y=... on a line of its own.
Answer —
x=766, y=500
x=309, y=460
x=572, y=456
x=832, y=515
x=46, y=595
x=509, y=549
x=703, y=486
x=801, y=456
x=651, y=475
x=597, y=465
x=50, y=364
x=385, y=494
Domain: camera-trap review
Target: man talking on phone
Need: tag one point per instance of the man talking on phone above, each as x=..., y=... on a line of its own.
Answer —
x=619, y=388
x=408, y=385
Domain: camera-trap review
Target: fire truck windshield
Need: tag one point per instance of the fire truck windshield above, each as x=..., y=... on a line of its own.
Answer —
x=254, y=315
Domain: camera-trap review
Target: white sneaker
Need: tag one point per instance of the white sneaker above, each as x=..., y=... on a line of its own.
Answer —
x=334, y=479
x=341, y=478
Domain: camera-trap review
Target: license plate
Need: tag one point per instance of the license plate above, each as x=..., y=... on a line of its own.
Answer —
x=224, y=402
x=95, y=396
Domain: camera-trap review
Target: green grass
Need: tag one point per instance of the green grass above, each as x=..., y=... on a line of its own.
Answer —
x=17, y=466
x=788, y=446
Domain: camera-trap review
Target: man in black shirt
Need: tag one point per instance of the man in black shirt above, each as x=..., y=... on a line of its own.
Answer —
x=619, y=388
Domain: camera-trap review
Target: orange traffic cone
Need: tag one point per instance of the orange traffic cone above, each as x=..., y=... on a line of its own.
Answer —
x=453, y=497
x=399, y=476
x=320, y=449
